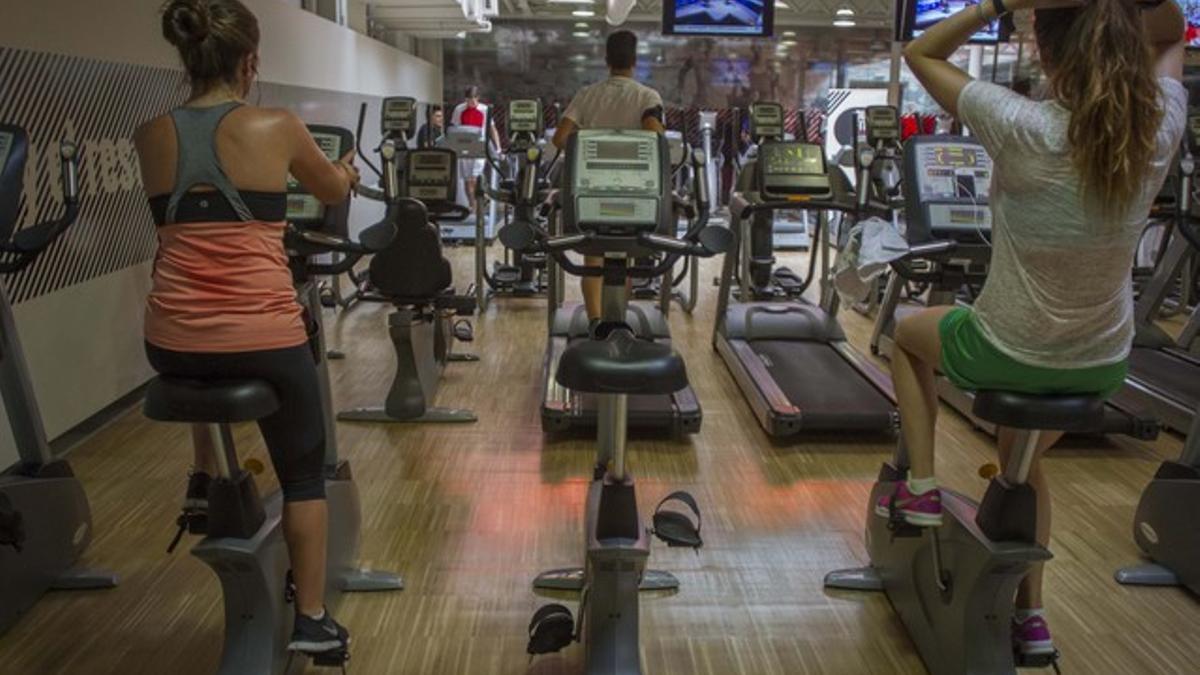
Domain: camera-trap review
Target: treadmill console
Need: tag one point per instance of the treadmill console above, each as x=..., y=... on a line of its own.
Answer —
x=948, y=181
x=303, y=209
x=431, y=176
x=791, y=170
x=399, y=113
x=619, y=182
x=766, y=121
x=883, y=125
x=525, y=117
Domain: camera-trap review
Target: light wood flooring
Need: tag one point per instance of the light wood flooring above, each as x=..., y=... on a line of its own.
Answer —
x=468, y=514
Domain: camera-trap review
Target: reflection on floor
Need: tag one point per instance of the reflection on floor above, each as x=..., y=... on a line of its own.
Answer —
x=470, y=513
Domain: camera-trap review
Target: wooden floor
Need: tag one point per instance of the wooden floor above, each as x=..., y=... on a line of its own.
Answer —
x=470, y=513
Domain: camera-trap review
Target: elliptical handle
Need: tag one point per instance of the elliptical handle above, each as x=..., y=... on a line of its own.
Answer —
x=358, y=134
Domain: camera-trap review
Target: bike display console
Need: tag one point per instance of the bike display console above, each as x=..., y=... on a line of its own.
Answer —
x=431, y=176
x=949, y=181
x=617, y=182
x=789, y=169
x=303, y=209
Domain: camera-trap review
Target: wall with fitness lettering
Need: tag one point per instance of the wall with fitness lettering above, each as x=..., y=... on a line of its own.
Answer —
x=91, y=72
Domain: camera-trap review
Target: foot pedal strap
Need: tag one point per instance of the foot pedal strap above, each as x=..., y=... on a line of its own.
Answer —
x=334, y=658
x=1049, y=660
x=550, y=630
x=676, y=528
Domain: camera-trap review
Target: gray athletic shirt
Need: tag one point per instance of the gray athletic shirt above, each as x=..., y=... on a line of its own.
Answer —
x=615, y=103
x=1059, y=291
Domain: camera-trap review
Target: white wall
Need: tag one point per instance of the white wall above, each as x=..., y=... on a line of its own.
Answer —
x=298, y=48
x=84, y=342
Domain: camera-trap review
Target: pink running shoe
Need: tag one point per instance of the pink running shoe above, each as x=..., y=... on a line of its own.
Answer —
x=1031, y=637
x=920, y=510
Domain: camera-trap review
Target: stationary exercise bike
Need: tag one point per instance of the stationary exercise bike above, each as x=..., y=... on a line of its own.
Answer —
x=244, y=542
x=618, y=204
x=411, y=274
x=45, y=520
x=954, y=586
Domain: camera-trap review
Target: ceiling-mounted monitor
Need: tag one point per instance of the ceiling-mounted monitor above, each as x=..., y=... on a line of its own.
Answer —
x=731, y=18
x=914, y=17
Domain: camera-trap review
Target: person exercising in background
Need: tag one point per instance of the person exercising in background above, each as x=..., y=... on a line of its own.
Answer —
x=1074, y=178
x=473, y=113
x=620, y=102
x=433, y=130
x=222, y=305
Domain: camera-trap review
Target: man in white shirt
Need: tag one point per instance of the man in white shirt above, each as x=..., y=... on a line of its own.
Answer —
x=620, y=102
x=473, y=113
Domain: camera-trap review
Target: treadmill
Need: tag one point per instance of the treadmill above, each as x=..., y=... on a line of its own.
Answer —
x=789, y=356
x=947, y=179
x=1164, y=373
x=564, y=409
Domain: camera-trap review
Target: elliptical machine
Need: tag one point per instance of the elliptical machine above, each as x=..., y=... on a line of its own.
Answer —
x=244, y=543
x=1166, y=526
x=410, y=273
x=520, y=274
x=953, y=586
x=617, y=194
x=45, y=520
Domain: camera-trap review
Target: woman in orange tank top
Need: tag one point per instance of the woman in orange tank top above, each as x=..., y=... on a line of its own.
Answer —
x=222, y=304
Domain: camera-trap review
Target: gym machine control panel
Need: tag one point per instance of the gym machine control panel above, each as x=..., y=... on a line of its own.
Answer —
x=399, y=113
x=618, y=180
x=303, y=209
x=766, y=121
x=883, y=125
x=791, y=170
x=431, y=175
x=525, y=116
x=948, y=180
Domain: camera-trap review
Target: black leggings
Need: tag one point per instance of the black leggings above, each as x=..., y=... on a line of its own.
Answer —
x=295, y=434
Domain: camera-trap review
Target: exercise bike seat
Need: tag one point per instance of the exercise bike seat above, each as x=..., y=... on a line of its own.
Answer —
x=1073, y=412
x=621, y=364
x=171, y=399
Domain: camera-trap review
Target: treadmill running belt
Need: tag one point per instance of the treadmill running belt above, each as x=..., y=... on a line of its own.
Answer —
x=1174, y=377
x=830, y=393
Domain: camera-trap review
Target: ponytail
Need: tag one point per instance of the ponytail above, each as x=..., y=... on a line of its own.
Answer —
x=1102, y=70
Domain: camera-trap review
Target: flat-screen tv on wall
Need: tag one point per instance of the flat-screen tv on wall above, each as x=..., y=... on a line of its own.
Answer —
x=914, y=17
x=733, y=18
x=1191, y=14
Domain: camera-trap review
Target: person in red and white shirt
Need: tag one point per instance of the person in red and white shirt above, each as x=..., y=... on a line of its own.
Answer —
x=473, y=113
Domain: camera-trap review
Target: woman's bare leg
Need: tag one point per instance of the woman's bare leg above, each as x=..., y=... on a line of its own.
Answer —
x=915, y=358
x=305, y=529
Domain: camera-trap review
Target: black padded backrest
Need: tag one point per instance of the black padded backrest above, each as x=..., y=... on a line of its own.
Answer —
x=412, y=266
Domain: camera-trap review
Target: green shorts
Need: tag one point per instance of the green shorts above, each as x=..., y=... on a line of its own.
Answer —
x=972, y=362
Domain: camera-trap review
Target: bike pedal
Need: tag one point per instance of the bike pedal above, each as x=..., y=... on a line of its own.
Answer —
x=676, y=528
x=1037, y=660
x=464, y=331
x=551, y=629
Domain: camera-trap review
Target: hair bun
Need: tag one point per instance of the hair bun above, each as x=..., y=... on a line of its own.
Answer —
x=186, y=22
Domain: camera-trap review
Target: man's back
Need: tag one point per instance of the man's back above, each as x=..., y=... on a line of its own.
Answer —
x=616, y=103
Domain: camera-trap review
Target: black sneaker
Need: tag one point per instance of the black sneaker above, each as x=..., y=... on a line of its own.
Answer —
x=311, y=636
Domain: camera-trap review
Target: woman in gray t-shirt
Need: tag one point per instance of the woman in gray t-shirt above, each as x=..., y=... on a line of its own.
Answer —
x=1074, y=179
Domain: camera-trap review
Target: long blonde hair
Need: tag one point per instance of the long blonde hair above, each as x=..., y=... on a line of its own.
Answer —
x=1101, y=69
